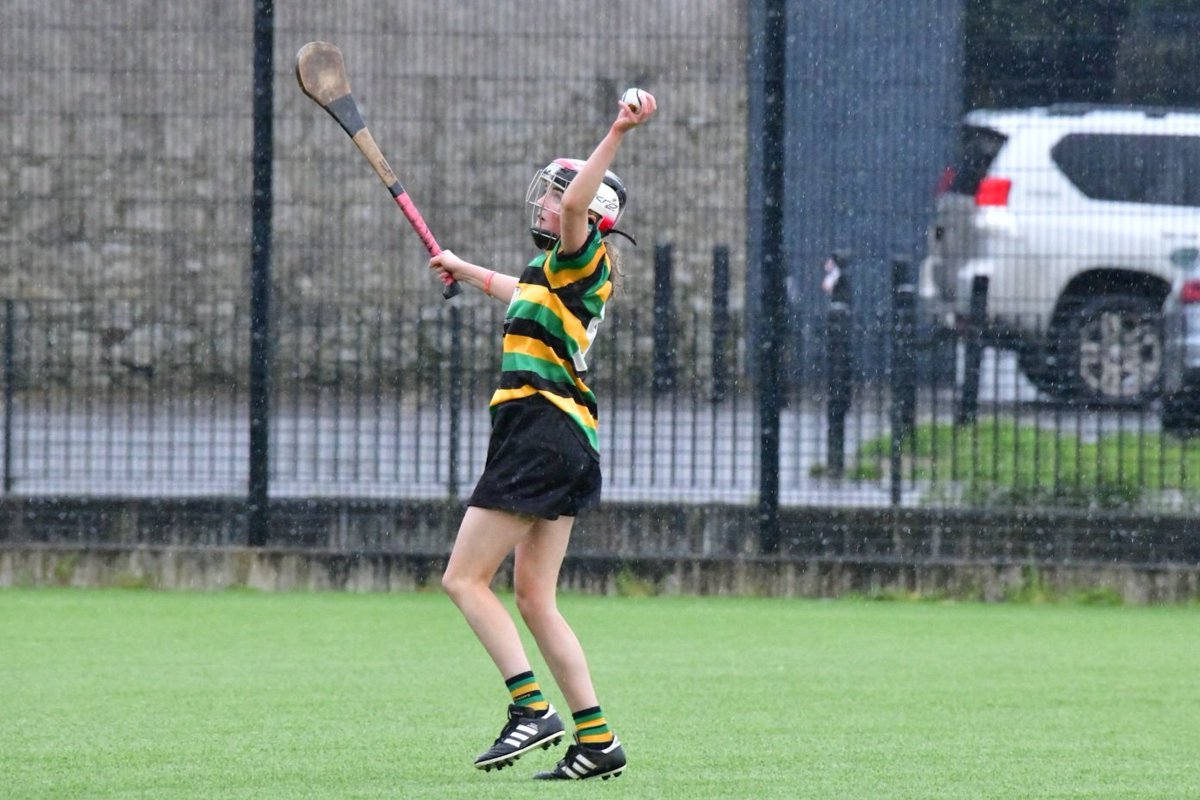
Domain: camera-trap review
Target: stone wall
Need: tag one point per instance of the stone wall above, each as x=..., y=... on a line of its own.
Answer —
x=126, y=153
x=271, y=569
x=701, y=549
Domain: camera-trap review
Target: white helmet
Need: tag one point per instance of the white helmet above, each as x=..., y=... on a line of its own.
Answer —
x=608, y=203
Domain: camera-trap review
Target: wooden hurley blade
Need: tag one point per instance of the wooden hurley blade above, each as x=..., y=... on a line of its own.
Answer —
x=321, y=72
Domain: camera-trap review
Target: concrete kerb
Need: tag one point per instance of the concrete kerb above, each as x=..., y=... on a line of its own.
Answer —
x=301, y=569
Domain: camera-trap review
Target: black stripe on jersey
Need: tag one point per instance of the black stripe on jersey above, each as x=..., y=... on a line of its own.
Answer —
x=520, y=326
x=517, y=379
x=572, y=296
x=535, y=276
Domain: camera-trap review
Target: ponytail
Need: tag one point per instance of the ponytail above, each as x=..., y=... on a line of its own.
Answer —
x=616, y=275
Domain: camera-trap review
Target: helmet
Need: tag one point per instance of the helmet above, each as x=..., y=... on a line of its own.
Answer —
x=608, y=203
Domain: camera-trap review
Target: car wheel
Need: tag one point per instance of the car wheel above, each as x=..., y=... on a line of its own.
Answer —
x=1110, y=349
x=1041, y=370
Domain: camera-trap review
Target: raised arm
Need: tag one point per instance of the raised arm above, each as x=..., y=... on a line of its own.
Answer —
x=579, y=193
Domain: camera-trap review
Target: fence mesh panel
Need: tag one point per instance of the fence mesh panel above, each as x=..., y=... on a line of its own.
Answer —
x=125, y=211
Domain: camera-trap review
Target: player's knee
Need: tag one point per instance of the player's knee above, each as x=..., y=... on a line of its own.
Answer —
x=455, y=585
x=534, y=606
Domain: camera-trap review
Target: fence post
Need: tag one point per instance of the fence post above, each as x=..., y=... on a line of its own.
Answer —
x=10, y=319
x=258, y=493
x=839, y=357
x=774, y=272
x=664, y=369
x=904, y=388
x=968, y=403
x=720, y=322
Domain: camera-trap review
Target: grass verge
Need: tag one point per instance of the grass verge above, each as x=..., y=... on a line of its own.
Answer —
x=999, y=462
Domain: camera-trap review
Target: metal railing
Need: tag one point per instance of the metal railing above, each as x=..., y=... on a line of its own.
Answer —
x=379, y=404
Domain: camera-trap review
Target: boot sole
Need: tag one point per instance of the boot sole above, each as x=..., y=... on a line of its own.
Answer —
x=500, y=762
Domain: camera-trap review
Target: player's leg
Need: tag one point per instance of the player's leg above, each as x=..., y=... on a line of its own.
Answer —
x=536, y=564
x=485, y=538
x=538, y=559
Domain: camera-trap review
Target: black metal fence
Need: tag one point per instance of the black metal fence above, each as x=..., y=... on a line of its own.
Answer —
x=131, y=205
x=375, y=403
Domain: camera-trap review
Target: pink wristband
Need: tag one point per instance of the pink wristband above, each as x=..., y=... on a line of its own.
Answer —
x=487, y=282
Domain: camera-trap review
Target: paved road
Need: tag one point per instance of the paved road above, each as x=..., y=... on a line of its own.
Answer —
x=670, y=448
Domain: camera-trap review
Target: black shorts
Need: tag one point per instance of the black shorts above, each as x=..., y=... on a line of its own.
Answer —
x=537, y=463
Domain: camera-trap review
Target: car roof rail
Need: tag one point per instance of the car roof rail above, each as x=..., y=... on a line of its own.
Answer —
x=1072, y=109
x=1079, y=109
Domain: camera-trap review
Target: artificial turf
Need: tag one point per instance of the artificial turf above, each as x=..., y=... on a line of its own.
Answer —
x=143, y=694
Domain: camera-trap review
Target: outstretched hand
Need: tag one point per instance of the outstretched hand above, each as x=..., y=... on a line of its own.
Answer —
x=627, y=118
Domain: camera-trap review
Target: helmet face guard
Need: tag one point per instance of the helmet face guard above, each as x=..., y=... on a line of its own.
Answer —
x=551, y=180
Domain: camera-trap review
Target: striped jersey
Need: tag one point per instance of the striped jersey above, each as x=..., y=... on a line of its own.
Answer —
x=551, y=321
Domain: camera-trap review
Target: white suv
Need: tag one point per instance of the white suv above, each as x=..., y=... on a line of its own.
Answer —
x=1071, y=213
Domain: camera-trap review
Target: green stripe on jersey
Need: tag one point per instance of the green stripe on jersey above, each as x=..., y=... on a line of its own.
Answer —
x=523, y=362
x=542, y=315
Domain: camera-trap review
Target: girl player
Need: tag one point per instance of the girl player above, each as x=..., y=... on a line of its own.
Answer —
x=543, y=465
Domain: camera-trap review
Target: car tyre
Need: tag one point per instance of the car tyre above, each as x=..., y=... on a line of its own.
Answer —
x=1041, y=369
x=1109, y=349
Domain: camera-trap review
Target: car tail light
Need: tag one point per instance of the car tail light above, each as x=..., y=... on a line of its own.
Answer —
x=1190, y=292
x=993, y=192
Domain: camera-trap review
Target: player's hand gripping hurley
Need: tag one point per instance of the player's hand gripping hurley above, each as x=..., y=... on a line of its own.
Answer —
x=321, y=72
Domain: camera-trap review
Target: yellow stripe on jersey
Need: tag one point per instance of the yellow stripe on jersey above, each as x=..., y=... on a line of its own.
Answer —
x=559, y=275
x=517, y=345
x=529, y=346
x=504, y=395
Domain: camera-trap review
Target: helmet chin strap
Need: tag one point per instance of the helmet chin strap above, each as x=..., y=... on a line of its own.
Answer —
x=544, y=240
x=622, y=233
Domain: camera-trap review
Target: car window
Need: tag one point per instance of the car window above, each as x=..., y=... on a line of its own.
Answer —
x=977, y=149
x=1132, y=168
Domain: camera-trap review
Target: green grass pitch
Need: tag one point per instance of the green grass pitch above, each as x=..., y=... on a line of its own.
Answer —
x=141, y=694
